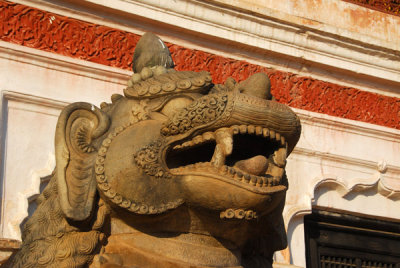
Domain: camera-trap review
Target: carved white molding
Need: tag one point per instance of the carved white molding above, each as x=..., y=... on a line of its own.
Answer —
x=14, y=205
x=365, y=188
x=348, y=126
x=376, y=183
x=52, y=76
x=56, y=62
x=269, y=32
x=319, y=51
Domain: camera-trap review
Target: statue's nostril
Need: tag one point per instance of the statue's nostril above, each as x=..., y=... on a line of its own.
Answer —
x=257, y=85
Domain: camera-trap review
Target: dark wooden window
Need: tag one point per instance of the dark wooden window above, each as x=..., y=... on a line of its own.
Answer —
x=342, y=241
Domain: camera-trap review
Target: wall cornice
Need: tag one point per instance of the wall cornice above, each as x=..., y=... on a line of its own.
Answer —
x=44, y=59
x=246, y=33
x=348, y=126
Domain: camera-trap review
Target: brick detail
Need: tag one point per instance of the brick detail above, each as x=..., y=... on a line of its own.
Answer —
x=47, y=31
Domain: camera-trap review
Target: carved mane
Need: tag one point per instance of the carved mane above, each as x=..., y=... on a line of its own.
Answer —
x=53, y=241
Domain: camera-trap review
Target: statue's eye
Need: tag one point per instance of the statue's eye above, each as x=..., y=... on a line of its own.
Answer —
x=175, y=104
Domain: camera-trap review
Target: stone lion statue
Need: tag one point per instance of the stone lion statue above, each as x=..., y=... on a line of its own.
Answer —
x=178, y=172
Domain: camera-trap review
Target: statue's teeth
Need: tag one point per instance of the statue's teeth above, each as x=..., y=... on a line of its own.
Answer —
x=224, y=137
x=279, y=157
x=265, y=132
x=235, y=130
x=243, y=129
x=224, y=169
x=283, y=141
x=251, y=129
x=272, y=134
x=224, y=140
x=259, y=131
x=263, y=181
x=274, y=170
x=177, y=147
x=237, y=177
x=187, y=144
x=198, y=139
x=277, y=136
x=275, y=181
x=218, y=159
x=231, y=170
x=207, y=136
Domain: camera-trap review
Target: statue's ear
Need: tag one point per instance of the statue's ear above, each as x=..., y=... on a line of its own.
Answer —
x=77, y=128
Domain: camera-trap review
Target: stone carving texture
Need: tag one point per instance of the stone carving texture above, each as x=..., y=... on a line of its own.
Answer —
x=70, y=37
x=198, y=169
x=148, y=158
x=199, y=113
x=154, y=83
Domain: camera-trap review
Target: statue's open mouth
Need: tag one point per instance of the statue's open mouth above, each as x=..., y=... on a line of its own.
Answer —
x=249, y=155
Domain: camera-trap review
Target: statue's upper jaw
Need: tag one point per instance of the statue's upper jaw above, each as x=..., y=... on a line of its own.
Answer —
x=247, y=149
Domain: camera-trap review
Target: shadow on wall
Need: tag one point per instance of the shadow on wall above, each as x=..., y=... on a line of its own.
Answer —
x=32, y=204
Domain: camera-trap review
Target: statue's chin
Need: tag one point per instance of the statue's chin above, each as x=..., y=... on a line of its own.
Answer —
x=218, y=193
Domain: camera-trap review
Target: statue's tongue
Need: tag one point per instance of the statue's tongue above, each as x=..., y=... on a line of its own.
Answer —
x=256, y=165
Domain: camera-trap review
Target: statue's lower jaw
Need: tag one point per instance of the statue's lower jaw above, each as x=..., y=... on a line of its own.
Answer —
x=221, y=193
x=185, y=250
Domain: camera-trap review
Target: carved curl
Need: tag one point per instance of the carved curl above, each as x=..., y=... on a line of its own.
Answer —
x=201, y=112
x=159, y=81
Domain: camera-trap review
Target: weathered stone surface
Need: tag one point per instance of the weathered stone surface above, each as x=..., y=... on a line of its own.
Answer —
x=7, y=247
x=179, y=172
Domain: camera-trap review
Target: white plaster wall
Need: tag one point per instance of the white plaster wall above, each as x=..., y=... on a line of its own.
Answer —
x=28, y=147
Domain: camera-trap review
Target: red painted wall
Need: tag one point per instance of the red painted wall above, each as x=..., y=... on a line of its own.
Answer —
x=35, y=28
x=387, y=6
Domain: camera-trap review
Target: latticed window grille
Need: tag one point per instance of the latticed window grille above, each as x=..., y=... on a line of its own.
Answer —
x=344, y=241
x=343, y=262
x=328, y=261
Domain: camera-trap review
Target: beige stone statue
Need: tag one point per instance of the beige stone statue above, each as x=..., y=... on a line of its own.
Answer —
x=178, y=172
